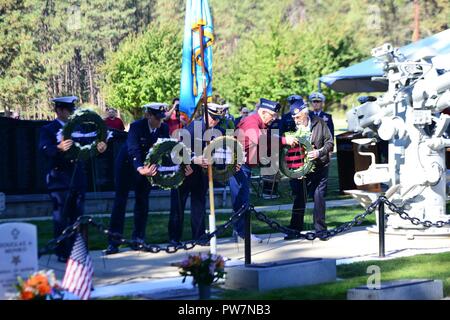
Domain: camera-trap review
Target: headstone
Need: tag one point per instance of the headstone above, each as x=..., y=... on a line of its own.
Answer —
x=2, y=202
x=411, y=289
x=18, y=255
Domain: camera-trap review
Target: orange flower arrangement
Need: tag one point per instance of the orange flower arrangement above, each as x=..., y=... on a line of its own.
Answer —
x=39, y=286
x=204, y=268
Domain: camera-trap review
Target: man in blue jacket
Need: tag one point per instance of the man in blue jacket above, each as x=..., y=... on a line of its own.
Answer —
x=66, y=180
x=131, y=173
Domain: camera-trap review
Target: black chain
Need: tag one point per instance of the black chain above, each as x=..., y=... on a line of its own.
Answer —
x=151, y=248
x=67, y=233
x=323, y=235
x=204, y=239
x=415, y=221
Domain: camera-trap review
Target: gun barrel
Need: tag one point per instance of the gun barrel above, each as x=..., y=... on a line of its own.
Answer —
x=425, y=88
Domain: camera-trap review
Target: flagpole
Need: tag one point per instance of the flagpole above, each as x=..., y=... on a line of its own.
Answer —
x=212, y=214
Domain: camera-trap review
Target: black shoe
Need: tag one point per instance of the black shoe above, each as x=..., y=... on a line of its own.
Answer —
x=62, y=259
x=290, y=237
x=137, y=244
x=111, y=250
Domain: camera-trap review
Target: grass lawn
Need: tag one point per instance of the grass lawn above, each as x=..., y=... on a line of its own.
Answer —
x=157, y=225
x=428, y=266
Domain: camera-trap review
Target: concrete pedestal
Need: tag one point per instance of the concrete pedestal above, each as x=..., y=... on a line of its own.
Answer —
x=281, y=274
x=400, y=290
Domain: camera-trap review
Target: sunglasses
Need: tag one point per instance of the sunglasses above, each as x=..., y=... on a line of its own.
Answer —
x=316, y=101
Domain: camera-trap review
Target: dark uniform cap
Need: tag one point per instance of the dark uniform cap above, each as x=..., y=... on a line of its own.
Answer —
x=297, y=106
x=156, y=108
x=291, y=99
x=65, y=102
x=269, y=104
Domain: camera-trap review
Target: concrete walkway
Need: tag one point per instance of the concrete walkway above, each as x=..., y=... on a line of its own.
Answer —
x=131, y=272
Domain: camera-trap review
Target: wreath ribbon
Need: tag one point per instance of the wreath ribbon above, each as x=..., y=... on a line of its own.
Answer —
x=82, y=116
x=293, y=165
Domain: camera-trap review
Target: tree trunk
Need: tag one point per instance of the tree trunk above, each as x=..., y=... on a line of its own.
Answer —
x=91, y=84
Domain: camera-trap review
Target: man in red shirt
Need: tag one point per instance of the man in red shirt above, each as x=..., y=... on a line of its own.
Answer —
x=112, y=121
x=252, y=134
x=174, y=119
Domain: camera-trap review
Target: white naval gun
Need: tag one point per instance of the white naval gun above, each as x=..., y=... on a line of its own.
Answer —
x=409, y=116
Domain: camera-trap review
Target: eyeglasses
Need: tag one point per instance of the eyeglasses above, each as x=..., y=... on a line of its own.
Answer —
x=273, y=115
x=316, y=101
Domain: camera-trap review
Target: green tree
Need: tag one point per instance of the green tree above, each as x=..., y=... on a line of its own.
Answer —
x=146, y=68
x=285, y=60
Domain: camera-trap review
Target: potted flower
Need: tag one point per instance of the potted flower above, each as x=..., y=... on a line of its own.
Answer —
x=41, y=285
x=205, y=268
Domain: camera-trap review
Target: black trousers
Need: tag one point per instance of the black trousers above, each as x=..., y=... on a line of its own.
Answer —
x=68, y=205
x=127, y=178
x=314, y=186
x=195, y=185
x=67, y=189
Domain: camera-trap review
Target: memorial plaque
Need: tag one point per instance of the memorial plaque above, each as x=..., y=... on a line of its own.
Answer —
x=18, y=255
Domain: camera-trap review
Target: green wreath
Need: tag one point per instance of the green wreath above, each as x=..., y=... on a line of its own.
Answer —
x=222, y=172
x=171, y=156
x=87, y=121
x=304, y=141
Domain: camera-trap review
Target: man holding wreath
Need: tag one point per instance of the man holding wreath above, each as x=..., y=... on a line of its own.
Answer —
x=252, y=134
x=66, y=180
x=131, y=173
x=314, y=183
x=196, y=184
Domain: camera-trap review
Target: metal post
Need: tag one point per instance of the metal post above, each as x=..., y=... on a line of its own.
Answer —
x=248, y=232
x=381, y=229
x=212, y=214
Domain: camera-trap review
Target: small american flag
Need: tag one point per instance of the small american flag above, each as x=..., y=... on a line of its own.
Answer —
x=79, y=271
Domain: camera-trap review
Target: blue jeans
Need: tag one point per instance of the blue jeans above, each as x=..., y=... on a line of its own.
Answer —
x=240, y=196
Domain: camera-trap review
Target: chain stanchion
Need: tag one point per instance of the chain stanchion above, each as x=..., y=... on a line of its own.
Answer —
x=83, y=221
x=381, y=228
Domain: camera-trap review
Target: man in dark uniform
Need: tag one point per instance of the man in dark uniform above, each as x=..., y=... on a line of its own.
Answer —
x=195, y=185
x=317, y=100
x=315, y=183
x=250, y=132
x=66, y=180
x=131, y=173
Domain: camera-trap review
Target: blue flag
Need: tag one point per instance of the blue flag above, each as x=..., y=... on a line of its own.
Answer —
x=198, y=16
